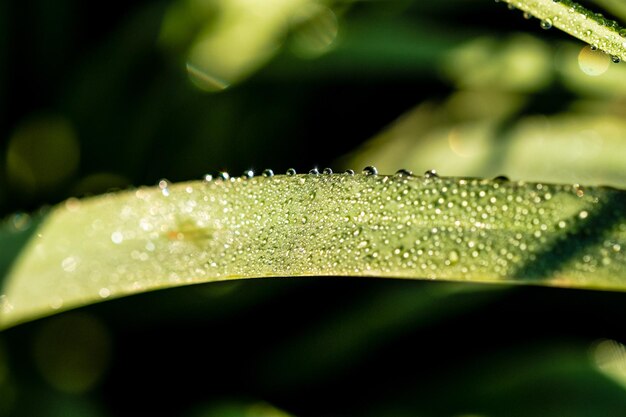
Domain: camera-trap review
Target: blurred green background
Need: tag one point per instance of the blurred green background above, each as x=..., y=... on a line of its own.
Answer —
x=95, y=98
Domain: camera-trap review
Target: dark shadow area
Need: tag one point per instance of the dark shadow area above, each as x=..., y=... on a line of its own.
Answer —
x=177, y=349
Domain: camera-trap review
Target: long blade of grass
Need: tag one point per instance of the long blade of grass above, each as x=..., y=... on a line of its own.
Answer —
x=581, y=23
x=400, y=226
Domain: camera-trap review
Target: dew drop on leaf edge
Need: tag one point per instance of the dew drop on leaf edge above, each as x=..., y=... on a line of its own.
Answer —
x=370, y=170
x=546, y=24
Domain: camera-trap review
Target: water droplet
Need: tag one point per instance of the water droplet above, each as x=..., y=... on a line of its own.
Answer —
x=583, y=214
x=69, y=264
x=248, y=174
x=104, y=292
x=349, y=172
x=593, y=47
x=501, y=178
x=622, y=33
x=163, y=185
x=72, y=204
x=370, y=170
x=527, y=15
x=453, y=257
x=404, y=173
x=5, y=305
x=291, y=171
x=546, y=24
x=20, y=221
x=314, y=171
x=268, y=173
x=117, y=237
x=327, y=171
x=616, y=59
x=223, y=175
x=578, y=189
x=208, y=177
x=431, y=173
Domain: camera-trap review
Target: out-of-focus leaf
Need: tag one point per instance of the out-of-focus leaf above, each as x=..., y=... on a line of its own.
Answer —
x=233, y=38
x=521, y=64
x=299, y=225
x=471, y=135
x=539, y=379
x=617, y=7
x=398, y=48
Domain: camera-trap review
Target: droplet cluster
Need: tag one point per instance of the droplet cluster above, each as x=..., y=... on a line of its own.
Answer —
x=367, y=224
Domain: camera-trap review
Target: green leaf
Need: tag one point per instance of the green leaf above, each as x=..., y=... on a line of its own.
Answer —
x=479, y=133
x=399, y=226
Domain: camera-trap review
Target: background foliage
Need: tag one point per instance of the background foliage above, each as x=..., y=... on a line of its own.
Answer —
x=95, y=99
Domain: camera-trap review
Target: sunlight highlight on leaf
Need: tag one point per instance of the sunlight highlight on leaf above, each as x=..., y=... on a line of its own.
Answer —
x=401, y=226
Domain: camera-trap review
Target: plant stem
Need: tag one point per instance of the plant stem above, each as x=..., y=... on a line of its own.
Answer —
x=605, y=34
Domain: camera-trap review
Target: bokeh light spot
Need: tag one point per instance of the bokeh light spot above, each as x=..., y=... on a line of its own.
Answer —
x=72, y=352
x=42, y=153
x=593, y=62
x=610, y=358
